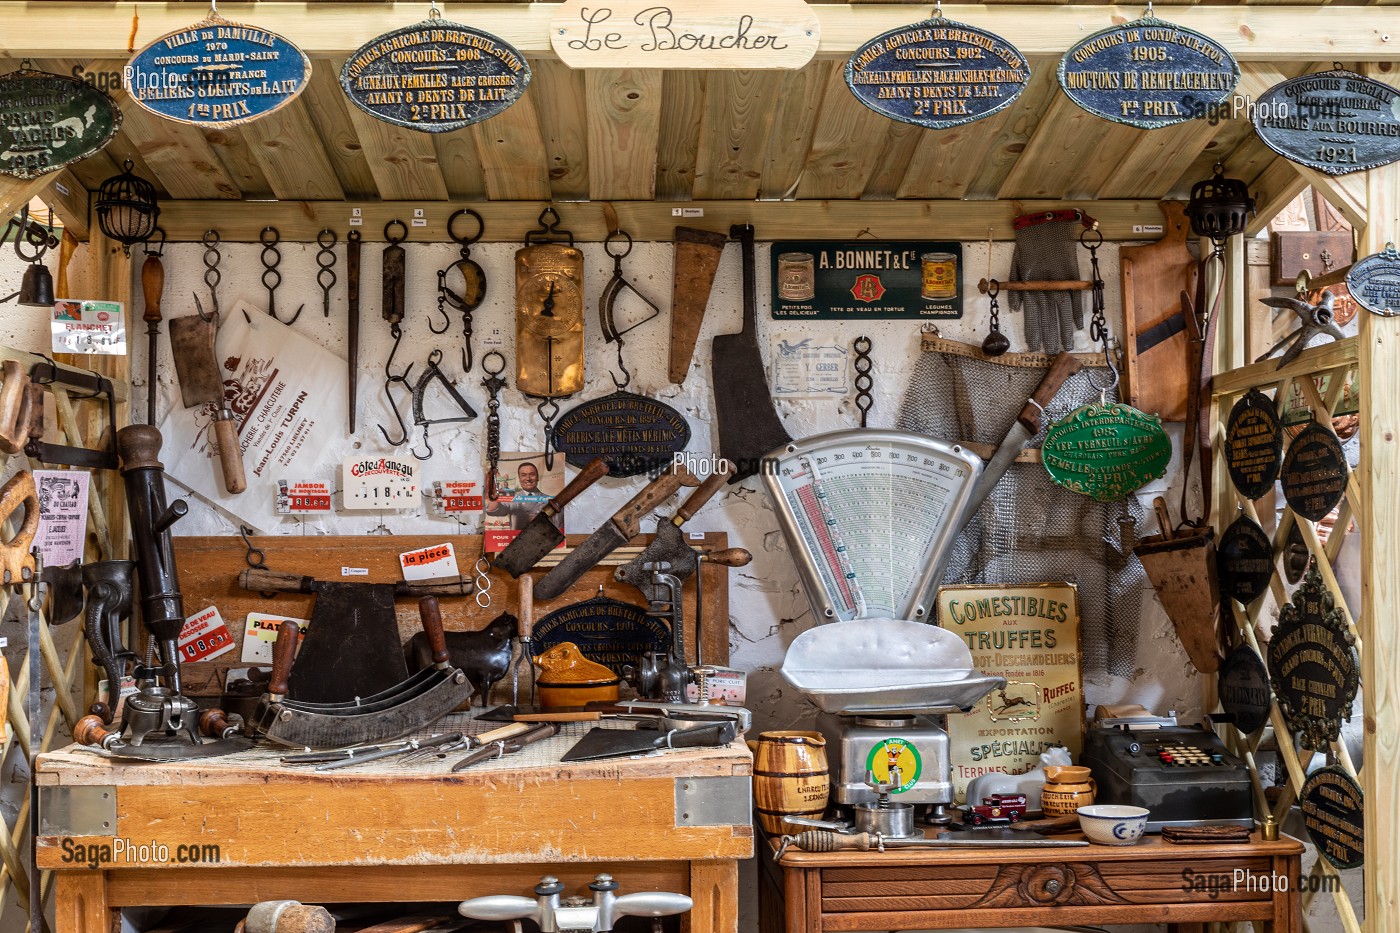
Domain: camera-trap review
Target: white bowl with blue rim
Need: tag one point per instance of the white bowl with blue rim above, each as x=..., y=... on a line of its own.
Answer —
x=1110, y=824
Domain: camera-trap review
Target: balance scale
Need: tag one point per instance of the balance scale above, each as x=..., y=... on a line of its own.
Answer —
x=870, y=517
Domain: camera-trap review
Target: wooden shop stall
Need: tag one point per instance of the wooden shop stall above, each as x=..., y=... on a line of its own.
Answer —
x=370, y=144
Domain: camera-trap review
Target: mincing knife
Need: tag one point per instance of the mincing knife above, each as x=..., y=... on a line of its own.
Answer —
x=197, y=363
x=541, y=536
x=613, y=534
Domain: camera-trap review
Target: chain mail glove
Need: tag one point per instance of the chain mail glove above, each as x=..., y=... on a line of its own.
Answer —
x=1048, y=250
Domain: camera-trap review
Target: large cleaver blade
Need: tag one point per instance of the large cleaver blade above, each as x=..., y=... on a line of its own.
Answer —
x=197, y=364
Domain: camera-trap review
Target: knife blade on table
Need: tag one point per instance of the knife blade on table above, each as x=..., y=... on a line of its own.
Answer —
x=541, y=535
x=619, y=743
x=613, y=534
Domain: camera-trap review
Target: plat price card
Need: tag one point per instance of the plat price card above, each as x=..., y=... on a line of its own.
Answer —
x=260, y=632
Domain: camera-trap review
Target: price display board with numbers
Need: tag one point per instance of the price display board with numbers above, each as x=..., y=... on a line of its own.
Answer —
x=379, y=483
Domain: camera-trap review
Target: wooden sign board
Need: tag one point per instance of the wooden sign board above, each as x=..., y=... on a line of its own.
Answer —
x=685, y=34
x=867, y=279
x=1029, y=635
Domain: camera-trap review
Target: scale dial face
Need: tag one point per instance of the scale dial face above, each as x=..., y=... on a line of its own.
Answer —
x=550, y=304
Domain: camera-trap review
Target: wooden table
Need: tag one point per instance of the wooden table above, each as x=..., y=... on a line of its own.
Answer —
x=244, y=828
x=1151, y=882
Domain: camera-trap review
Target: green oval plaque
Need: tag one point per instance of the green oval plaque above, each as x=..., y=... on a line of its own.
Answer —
x=1106, y=451
x=48, y=121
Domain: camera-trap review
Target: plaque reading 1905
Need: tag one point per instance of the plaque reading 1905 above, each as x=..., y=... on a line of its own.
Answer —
x=1335, y=817
x=937, y=73
x=435, y=76
x=1253, y=444
x=1314, y=473
x=1148, y=73
x=1313, y=664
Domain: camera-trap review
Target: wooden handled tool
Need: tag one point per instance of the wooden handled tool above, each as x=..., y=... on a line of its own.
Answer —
x=284, y=652
x=541, y=535
x=90, y=730
x=524, y=635
x=14, y=427
x=729, y=557
x=16, y=555
x=431, y=615
x=262, y=580
x=216, y=724
x=704, y=493
x=152, y=287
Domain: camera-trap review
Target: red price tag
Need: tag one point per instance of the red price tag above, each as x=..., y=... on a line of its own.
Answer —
x=461, y=503
x=204, y=636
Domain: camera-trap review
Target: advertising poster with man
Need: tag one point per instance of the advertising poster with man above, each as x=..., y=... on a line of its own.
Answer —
x=522, y=487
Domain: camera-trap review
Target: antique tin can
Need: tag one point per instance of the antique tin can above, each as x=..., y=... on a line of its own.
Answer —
x=797, y=277
x=940, y=275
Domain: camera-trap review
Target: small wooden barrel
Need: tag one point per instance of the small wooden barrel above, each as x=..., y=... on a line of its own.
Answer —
x=790, y=778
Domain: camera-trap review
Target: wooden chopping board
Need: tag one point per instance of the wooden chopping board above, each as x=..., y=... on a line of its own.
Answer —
x=1154, y=331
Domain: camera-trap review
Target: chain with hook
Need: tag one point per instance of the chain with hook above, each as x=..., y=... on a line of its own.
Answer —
x=493, y=383
x=326, y=277
x=473, y=283
x=1091, y=239
x=269, y=237
x=212, y=276
x=389, y=380
x=607, y=303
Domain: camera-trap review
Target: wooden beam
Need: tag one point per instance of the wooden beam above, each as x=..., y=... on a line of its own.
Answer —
x=1251, y=32
x=330, y=115
x=512, y=152
x=289, y=151
x=403, y=161
x=507, y=221
x=562, y=102
x=68, y=198
x=1379, y=385
x=846, y=136
x=799, y=106
x=15, y=193
x=1273, y=191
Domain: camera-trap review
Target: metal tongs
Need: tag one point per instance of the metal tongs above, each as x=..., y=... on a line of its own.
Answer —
x=345, y=757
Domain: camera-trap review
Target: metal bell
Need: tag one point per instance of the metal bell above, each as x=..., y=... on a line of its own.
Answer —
x=36, y=288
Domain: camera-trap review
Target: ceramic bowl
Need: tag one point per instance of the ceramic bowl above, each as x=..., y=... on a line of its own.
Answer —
x=1112, y=824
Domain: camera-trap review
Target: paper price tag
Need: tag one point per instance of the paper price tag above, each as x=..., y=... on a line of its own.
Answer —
x=449, y=497
x=303, y=498
x=724, y=684
x=260, y=632
x=204, y=636
x=379, y=483
x=430, y=563
x=89, y=327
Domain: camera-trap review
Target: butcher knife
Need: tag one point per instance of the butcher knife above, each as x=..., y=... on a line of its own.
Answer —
x=541, y=536
x=613, y=534
x=619, y=743
x=192, y=342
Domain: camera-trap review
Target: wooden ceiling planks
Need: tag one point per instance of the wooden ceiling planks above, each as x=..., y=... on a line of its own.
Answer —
x=790, y=138
x=1101, y=161
x=236, y=155
x=1065, y=139
x=287, y=147
x=330, y=117
x=460, y=165
x=102, y=165
x=1012, y=130
x=1153, y=165
x=678, y=141
x=734, y=132
x=179, y=155
x=624, y=123
x=403, y=161
x=847, y=133
x=510, y=146
x=562, y=101
x=892, y=162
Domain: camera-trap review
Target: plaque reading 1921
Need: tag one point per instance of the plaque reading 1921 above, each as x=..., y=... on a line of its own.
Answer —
x=1335, y=816
x=607, y=631
x=867, y=279
x=937, y=73
x=1375, y=282
x=1314, y=473
x=1253, y=444
x=1336, y=122
x=631, y=432
x=1149, y=73
x=434, y=76
x=1244, y=689
x=1245, y=560
x=1313, y=664
x=48, y=121
x=216, y=74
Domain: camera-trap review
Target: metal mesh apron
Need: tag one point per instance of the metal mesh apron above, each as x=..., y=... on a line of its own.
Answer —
x=1030, y=530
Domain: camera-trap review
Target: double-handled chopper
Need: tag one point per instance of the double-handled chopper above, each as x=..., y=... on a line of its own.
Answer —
x=871, y=517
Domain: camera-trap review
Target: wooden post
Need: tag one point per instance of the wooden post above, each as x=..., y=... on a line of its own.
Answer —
x=1379, y=385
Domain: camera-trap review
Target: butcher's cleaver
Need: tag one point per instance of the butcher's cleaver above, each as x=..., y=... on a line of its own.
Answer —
x=197, y=363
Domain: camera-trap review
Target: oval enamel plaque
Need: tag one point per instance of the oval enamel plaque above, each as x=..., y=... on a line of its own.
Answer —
x=1253, y=444
x=937, y=73
x=48, y=121
x=1314, y=473
x=1244, y=559
x=1375, y=282
x=1106, y=451
x=631, y=432
x=216, y=74
x=1336, y=122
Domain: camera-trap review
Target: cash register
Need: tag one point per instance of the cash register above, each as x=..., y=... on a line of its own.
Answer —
x=1183, y=775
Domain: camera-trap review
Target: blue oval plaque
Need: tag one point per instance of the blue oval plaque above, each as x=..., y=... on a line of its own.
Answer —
x=1149, y=73
x=1336, y=122
x=631, y=432
x=216, y=74
x=607, y=631
x=435, y=76
x=937, y=73
x=1375, y=282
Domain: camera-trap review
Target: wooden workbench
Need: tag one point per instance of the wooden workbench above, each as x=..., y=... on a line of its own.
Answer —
x=244, y=828
x=1185, y=886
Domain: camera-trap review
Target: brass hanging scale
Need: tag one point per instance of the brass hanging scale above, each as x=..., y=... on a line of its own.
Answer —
x=1108, y=450
x=549, y=319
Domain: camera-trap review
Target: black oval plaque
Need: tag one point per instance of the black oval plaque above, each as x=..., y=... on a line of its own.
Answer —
x=1335, y=816
x=1149, y=73
x=217, y=74
x=633, y=433
x=937, y=73
x=1245, y=560
x=1336, y=122
x=1375, y=282
x=48, y=121
x=1253, y=444
x=1244, y=689
x=435, y=76
x=1314, y=473
x=1313, y=665
x=607, y=631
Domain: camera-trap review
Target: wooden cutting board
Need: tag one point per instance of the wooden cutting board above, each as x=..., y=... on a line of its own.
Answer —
x=1154, y=331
